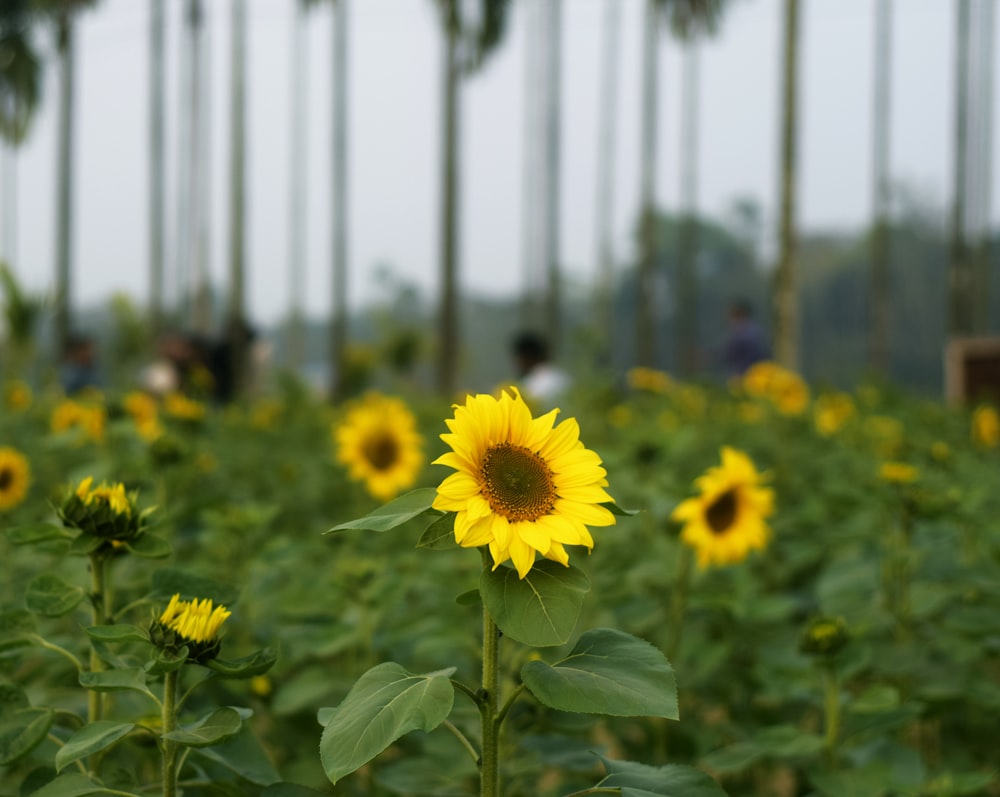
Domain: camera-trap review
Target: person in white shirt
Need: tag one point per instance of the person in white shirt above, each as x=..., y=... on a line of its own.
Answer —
x=538, y=378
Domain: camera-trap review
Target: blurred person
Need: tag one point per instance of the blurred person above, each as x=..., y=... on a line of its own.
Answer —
x=78, y=370
x=746, y=342
x=538, y=378
x=170, y=372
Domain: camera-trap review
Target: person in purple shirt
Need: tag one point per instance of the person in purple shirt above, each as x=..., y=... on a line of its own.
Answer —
x=746, y=343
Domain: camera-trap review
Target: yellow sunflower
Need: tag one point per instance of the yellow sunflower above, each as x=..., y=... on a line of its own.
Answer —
x=195, y=621
x=378, y=442
x=523, y=485
x=15, y=476
x=831, y=412
x=727, y=520
x=986, y=427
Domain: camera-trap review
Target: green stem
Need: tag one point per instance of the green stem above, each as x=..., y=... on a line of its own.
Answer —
x=98, y=598
x=169, y=725
x=450, y=726
x=831, y=688
x=472, y=694
x=678, y=602
x=44, y=643
x=508, y=703
x=490, y=762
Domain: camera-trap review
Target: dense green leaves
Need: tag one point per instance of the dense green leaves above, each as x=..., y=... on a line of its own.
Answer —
x=542, y=608
x=91, y=738
x=607, y=672
x=21, y=731
x=385, y=703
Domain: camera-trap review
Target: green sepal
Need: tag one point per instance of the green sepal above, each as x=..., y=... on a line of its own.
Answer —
x=164, y=661
x=384, y=704
x=608, y=672
x=216, y=727
x=540, y=609
x=407, y=507
x=48, y=595
x=247, y=667
x=92, y=738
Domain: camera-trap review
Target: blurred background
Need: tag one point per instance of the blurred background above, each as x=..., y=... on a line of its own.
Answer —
x=401, y=185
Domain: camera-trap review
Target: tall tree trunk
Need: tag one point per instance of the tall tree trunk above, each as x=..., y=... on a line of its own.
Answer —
x=960, y=283
x=236, y=312
x=157, y=155
x=604, y=211
x=687, y=277
x=983, y=247
x=199, y=317
x=534, y=71
x=645, y=321
x=8, y=203
x=448, y=310
x=878, y=346
x=338, y=325
x=786, y=299
x=553, y=303
x=64, y=190
x=296, y=188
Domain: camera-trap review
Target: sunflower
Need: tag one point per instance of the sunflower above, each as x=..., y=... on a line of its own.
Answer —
x=727, y=520
x=195, y=621
x=898, y=472
x=523, y=486
x=986, y=427
x=378, y=441
x=831, y=412
x=15, y=476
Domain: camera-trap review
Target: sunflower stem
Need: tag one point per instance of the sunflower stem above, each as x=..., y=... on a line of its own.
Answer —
x=831, y=689
x=169, y=715
x=489, y=763
x=99, y=599
x=678, y=602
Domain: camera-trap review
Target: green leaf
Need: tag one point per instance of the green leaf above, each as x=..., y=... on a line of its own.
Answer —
x=290, y=790
x=673, y=780
x=84, y=544
x=608, y=672
x=133, y=679
x=221, y=724
x=165, y=661
x=168, y=581
x=469, y=598
x=149, y=546
x=90, y=739
x=50, y=596
x=539, y=610
x=16, y=629
x=440, y=533
x=787, y=741
x=255, y=664
x=385, y=703
x=118, y=633
x=74, y=785
x=12, y=697
x=395, y=513
x=36, y=532
x=243, y=755
x=23, y=730
x=733, y=758
x=612, y=507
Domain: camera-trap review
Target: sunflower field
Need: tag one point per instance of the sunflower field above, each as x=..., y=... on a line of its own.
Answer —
x=677, y=589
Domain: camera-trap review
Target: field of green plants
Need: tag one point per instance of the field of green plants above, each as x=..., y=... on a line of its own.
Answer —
x=821, y=571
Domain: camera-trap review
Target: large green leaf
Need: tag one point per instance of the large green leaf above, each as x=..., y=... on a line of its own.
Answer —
x=21, y=731
x=243, y=755
x=385, y=703
x=673, y=780
x=36, y=532
x=90, y=739
x=247, y=667
x=74, y=784
x=608, y=672
x=149, y=546
x=395, y=513
x=221, y=724
x=539, y=610
x=131, y=679
x=48, y=595
x=118, y=633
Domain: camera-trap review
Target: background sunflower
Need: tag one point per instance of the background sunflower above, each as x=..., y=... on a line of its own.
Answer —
x=15, y=477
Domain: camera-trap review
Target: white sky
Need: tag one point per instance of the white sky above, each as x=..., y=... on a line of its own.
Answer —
x=395, y=54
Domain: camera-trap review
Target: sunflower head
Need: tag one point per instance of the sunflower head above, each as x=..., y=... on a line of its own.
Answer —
x=986, y=427
x=184, y=409
x=15, y=477
x=193, y=624
x=898, y=472
x=523, y=486
x=831, y=411
x=105, y=511
x=87, y=419
x=378, y=442
x=726, y=520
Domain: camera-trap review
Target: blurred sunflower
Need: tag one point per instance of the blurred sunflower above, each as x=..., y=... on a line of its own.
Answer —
x=15, y=476
x=727, y=519
x=986, y=427
x=898, y=472
x=70, y=414
x=523, y=486
x=831, y=412
x=378, y=442
x=16, y=395
x=785, y=389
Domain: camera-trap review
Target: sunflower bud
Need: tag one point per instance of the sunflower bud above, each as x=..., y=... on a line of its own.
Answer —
x=192, y=624
x=825, y=637
x=105, y=511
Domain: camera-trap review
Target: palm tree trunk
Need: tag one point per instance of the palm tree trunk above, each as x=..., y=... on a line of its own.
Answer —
x=296, y=188
x=448, y=310
x=157, y=155
x=553, y=300
x=687, y=282
x=786, y=300
x=604, y=212
x=64, y=190
x=878, y=349
x=338, y=326
x=645, y=321
x=236, y=313
x=960, y=284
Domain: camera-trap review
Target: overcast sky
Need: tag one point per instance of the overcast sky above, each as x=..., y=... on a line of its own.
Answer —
x=395, y=59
